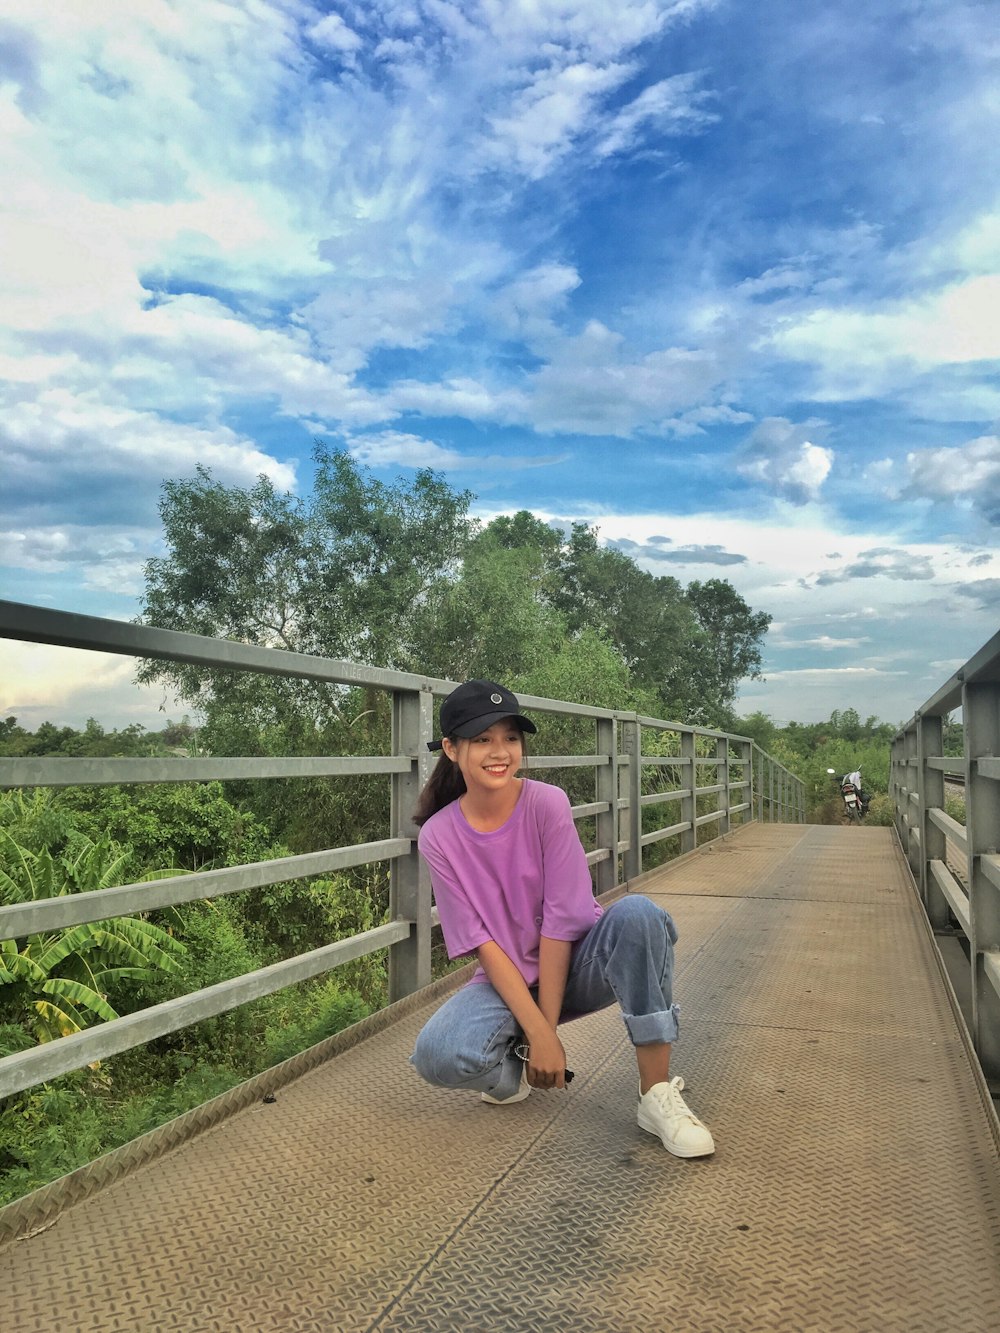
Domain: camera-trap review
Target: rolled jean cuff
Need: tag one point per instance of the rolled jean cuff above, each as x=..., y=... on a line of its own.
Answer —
x=646, y=1029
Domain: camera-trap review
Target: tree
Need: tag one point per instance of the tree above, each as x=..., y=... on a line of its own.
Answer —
x=338, y=574
x=343, y=573
x=690, y=646
x=492, y=619
x=399, y=576
x=192, y=826
x=728, y=648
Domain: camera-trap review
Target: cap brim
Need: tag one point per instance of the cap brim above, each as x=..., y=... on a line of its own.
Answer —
x=479, y=724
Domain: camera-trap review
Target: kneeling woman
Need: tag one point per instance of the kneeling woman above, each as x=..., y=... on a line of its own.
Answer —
x=512, y=885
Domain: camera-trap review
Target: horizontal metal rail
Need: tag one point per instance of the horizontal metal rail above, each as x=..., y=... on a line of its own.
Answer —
x=27, y=1068
x=958, y=899
x=133, y=772
x=151, y=895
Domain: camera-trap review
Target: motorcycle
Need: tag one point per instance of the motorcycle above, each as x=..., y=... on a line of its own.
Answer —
x=851, y=798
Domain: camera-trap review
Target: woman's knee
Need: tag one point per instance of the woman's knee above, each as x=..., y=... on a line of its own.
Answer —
x=639, y=917
x=424, y=1058
x=438, y=1059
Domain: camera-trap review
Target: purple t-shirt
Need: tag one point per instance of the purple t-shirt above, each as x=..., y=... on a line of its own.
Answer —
x=526, y=879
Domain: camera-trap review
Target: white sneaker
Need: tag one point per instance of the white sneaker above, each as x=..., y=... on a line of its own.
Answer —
x=663, y=1111
x=518, y=1096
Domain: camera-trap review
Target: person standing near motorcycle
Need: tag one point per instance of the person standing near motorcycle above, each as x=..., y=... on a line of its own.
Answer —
x=855, y=780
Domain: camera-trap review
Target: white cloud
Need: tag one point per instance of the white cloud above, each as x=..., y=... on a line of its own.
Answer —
x=550, y=113
x=592, y=386
x=389, y=447
x=969, y=473
x=107, y=559
x=333, y=33
x=779, y=458
x=591, y=26
x=56, y=425
x=829, y=644
x=672, y=106
x=865, y=353
x=525, y=306
x=830, y=673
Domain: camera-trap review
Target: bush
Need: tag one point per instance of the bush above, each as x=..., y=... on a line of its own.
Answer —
x=881, y=810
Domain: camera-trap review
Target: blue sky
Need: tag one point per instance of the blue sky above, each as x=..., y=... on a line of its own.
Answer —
x=719, y=278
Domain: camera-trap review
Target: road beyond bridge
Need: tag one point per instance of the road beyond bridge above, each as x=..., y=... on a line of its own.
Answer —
x=856, y=1183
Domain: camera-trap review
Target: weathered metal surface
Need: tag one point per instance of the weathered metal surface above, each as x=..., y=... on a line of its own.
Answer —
x=856, y=1183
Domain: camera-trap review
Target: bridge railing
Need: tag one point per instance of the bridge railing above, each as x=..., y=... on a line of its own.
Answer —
x=713, y=780
x=958, y=868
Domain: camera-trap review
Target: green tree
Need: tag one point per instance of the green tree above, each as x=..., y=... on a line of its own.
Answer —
x=728, y=647
x=492, y=619
x=190, y=825
x=339, y=574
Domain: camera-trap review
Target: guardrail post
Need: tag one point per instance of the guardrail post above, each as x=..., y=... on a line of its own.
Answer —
x=606, y=789
x=689, y=781
x=930, y=744
x=913, y=854
x=746, y=770
x=896, y=786
x=770, y=790
x=981, y=716
x=723, y=775
x=409, y=883
x=632, y=747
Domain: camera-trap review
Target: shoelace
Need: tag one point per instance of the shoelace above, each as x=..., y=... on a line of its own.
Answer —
x=668, y=1097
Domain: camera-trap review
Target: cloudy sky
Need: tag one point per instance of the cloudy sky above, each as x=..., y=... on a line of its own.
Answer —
x=721, y=277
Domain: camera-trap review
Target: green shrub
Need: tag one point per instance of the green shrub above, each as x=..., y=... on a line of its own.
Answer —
x=881, y=810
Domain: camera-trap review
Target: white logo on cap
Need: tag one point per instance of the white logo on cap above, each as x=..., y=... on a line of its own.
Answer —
x=496, y=698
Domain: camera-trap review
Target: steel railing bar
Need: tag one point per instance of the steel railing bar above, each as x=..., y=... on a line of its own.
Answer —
x=951, y=828
x=565, y=761
x=27, y=1068
x=102, y=772
x=649, y=838
x=75, y=909
x=957, y=898
x=67, y=629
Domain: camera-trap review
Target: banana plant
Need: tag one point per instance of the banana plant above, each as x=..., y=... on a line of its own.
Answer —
x=63, y=977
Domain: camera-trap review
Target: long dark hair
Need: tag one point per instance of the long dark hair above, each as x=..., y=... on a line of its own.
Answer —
x=446, y=784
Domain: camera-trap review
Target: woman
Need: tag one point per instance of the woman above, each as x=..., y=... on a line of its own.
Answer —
x=512, y=885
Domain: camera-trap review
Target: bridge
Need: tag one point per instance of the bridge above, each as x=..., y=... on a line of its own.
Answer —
x=843, y=1060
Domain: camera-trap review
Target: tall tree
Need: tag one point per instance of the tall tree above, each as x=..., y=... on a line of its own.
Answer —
x=340, y=573
x=728, y=647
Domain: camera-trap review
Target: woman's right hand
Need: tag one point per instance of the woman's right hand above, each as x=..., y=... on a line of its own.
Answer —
x=546, y=1060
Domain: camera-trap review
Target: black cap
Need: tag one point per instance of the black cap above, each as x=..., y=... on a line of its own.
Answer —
x=475, y=706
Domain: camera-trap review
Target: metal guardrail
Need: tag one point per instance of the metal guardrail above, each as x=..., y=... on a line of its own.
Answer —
x=970, y=899
x=701, y=764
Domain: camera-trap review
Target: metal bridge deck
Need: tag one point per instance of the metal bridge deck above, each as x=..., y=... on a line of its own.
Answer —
x=856, y=1183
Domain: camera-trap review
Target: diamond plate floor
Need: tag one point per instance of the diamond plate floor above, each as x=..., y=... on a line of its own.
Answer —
x=856, y=1185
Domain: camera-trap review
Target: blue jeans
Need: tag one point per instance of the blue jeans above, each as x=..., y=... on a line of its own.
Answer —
x=627, y=957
